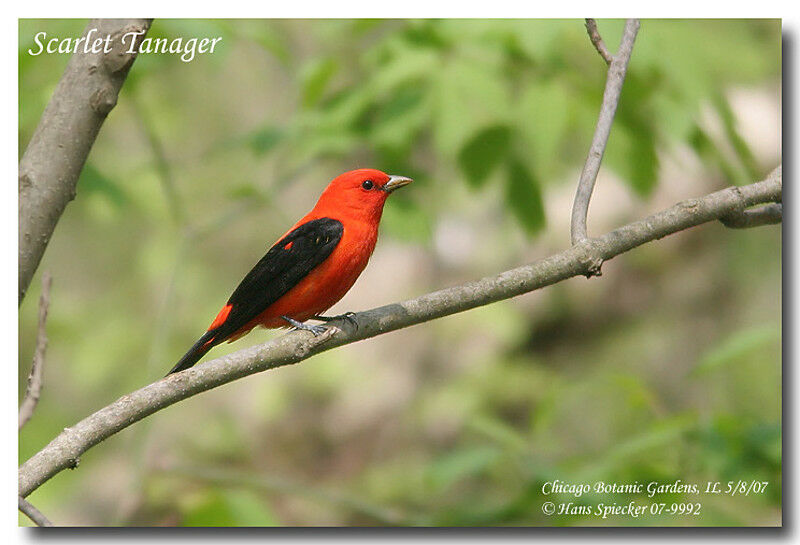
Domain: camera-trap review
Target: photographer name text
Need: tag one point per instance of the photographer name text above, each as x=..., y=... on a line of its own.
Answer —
x=586, y=502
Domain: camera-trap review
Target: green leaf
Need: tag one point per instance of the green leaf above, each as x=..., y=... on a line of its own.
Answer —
x=315, y=79
x=543, y=120
x=397, y=121
x=404, y=67
x=426, y=33
x=92, y=181
x=500, y=432
x=524, y=197
x=643, y=163
x=269, y=35
x=265, y=139
x=654, y=439
x=639, y=395
x=631, y=153
x=248, y=192
x=737, y=346
x=229, y=508
x=743, y=152
x=483, y=153
x=455, y=466
x=468, y=96
x=406, y=220
x=633, y=139
x=400, y=104
x=701, y=142
x=249, y=509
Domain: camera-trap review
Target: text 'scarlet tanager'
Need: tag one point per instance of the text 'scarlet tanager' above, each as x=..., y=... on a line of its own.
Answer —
x=311, y=267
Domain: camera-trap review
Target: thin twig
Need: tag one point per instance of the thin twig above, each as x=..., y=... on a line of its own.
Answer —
x=65, y=449
x=769, y=214
x=32, y=513
x=597, y=41
x=614, y=81
x=34, y=389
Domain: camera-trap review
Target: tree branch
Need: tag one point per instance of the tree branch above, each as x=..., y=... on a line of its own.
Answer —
x=52, y=163
x=597, y=41
x=768, y=214
x=614, y=81
x=34, y=389
x=580, y=259
x=32, y=513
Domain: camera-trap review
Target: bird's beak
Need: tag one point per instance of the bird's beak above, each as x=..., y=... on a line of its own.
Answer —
x=395, y=182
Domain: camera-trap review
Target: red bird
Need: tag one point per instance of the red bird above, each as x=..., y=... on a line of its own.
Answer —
x=310, y=268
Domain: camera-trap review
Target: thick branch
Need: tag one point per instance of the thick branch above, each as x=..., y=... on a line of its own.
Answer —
x=34, y=389
x=614, y=81
x=64, y=450
x=52, y=163
x=32, y=513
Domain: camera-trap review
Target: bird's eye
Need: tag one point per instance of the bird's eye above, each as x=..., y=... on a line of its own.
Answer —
x=367, y=184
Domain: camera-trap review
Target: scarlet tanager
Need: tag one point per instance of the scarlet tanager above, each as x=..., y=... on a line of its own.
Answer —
x=310, y=268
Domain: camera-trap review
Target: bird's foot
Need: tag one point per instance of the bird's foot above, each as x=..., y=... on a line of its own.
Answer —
x=349, y=316
x=315, y=329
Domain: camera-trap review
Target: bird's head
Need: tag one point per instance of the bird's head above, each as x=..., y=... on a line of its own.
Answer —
x=359, y=193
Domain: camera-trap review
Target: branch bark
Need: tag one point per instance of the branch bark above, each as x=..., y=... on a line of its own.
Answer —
x=32, y=513
x=769, y=214
x=597, y=41
x=63, y=451
x=54, y=158
x=34, y=389
x=614, y=81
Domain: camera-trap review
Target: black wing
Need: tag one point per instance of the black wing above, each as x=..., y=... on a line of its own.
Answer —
x=285, y=265
x=289, y=261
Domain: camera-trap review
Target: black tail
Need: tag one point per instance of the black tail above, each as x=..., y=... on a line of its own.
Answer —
x=203, y=345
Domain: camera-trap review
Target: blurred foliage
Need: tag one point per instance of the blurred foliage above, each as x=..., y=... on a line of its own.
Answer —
x=667, y=368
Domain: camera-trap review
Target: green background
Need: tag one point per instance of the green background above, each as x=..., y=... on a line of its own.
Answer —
x=667, y=367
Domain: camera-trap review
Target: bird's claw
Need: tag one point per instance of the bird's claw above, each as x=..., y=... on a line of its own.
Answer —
x=316, y=330
x=348, y=316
